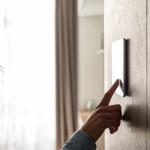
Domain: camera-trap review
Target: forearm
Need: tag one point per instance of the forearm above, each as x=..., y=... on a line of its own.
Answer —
x=80, y=140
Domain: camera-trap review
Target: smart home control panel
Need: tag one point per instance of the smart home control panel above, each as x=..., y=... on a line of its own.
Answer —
x=119, y=60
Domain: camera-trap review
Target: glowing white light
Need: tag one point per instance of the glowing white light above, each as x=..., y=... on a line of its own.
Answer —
x=32, y=74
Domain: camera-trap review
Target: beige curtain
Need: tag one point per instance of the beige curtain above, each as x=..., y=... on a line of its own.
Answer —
x=66, y=70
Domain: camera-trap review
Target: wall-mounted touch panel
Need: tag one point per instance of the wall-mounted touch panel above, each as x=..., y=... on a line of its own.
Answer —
x=119, y=65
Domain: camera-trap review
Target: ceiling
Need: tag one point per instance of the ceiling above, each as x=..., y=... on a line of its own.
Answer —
x=90, y=7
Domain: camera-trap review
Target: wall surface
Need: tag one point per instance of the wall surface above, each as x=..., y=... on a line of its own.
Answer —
x=127, y=19
x=90, y=64
x=148, y=75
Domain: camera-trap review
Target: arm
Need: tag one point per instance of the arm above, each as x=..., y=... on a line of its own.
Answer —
x=103, y=117
x=80, y=140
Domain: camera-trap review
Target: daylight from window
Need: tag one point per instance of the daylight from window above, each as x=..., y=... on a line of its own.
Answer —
x=28, y=121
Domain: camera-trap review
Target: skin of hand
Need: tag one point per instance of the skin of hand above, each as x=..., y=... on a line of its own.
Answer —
x=104, y=116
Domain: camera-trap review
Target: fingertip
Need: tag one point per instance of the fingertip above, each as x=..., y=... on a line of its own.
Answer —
x=117, y=81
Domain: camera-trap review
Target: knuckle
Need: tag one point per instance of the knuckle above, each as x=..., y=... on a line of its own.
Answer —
x=102, y=121
x=99, y=110
x=96, y=111
x=99, y=115
x=119, y=106
x=118, y=115
x=117, y=123
x=114, y=122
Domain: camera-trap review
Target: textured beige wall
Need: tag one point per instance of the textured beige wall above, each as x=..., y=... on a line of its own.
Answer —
x=127, y=19
x=90, y=64
x=108, y=4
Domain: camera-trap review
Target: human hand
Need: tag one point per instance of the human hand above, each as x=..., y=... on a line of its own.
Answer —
x=104, y=116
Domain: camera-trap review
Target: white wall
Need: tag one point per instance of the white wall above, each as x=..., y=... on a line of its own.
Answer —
x=90, y=64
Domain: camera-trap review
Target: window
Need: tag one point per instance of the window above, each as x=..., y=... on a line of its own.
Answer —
x=29, y=114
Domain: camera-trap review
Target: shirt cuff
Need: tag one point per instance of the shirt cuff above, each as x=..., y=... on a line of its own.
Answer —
x=80, y=140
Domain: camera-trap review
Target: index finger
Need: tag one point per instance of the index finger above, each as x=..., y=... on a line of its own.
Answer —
x=106, y=99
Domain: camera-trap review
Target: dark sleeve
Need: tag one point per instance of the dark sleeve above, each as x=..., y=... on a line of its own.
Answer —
x=80, y=140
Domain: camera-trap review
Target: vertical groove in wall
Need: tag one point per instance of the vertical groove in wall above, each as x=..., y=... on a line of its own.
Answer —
x=146, y=72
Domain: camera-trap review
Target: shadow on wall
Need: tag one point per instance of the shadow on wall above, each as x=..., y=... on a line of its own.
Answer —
x=134, y=120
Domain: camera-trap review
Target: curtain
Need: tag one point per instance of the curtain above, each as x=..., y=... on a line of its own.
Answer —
x=66, y=70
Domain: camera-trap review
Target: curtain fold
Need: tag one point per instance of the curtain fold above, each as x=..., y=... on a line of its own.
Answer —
x=66, y=70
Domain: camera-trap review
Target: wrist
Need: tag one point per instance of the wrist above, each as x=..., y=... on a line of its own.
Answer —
x=82, y=129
